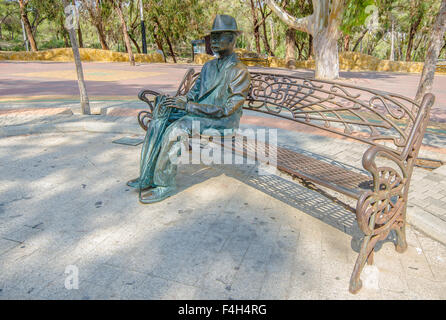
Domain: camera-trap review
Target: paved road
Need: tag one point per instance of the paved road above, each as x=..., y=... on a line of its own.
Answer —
x=119, y=81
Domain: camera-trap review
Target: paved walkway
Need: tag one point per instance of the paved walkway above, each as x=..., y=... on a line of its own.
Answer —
x=427, y=199
x=227, y=233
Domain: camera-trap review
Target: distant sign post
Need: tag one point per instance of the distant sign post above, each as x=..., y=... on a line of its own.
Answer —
x=198, y=46
x=143, y=28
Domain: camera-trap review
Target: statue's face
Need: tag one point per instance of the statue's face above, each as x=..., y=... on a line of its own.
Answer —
x=223, y=42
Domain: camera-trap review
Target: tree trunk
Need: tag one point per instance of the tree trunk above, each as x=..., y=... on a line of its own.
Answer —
x=300, y=48
x=360, y=39
x=100, y=26
x=415, y=49
x=400, y=48
x=36, y=22
x=375, y=41
x=326, y=56
x=324, y=26
x=256, y=26
x=85, y=105
x=159, y=44
x=171, y=48
x=166, y=37
x=347, y=42
x=397, y=54
x=24, y=36
x=64, y=32
x=125, y=32
x=265, y=35
x=435, y=44
x=94, y=10
x=24, y=16
x=266, y=43
x=135, y=43
x=412, y=32
x=392, y=43
x=79, y=33
x=444, y=46
x=310, y=46
x=101, y=36
x=290, y=58
x=65, y=40
x=273, y=40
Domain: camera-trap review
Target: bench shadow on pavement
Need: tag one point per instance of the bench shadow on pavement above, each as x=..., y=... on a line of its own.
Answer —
x=301, y=195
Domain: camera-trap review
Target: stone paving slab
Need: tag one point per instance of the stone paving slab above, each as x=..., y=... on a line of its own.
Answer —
x=427, y=194
x=226, y=234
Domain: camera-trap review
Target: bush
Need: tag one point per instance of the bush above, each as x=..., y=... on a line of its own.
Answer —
x=12, y=45
x=17, y=47
x=52, y=44
x=94, y=46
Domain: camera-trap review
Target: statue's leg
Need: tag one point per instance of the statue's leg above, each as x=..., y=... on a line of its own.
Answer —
x=166, y=167
x=150, y=150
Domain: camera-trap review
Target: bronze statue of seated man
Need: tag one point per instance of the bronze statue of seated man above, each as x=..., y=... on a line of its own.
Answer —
x=215, y=100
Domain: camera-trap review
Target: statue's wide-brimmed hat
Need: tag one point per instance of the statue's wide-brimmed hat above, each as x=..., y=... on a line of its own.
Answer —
x=224, y=23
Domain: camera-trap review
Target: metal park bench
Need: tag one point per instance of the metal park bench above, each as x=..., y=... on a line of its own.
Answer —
x=392, y=125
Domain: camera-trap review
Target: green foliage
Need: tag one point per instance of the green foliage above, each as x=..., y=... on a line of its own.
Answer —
x=355, y=14
x=95, y=45
x=186, y=20
x=52, y=43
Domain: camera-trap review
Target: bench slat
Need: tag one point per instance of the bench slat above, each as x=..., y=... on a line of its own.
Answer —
x=308, y=168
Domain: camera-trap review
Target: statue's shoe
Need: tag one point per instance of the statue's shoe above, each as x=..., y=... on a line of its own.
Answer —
x=134, y=183
x=157, y=194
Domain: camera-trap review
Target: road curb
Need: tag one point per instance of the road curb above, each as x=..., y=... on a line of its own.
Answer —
x=427, y=223
x=87, y=126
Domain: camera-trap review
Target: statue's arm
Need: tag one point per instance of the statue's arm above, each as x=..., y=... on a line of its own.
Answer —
x=180, y=102
x=238, y=87
x=193, y=93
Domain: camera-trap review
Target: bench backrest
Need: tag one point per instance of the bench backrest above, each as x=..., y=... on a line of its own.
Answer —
x=376, y=117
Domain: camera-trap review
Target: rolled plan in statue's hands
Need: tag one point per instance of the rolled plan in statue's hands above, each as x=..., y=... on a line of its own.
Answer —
x=168, y=101
x=176, y=102
x=181, y=102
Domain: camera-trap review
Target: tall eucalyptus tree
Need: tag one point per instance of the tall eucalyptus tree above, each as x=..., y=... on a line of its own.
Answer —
x=435, y=44
x=324, y=25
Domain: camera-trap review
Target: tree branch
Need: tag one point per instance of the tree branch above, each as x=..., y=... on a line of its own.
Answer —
x=301, y=24
x=336, y=12
x=260, y=23
x=4, y=18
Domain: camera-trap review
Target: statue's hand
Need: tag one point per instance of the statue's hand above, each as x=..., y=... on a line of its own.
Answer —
x=181, y=102
x=175, y=102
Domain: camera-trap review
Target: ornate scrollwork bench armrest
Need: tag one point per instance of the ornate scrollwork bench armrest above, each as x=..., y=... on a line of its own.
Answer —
x=384, y=208
x=377, y=209
x=381, y=209
x=145, y=116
